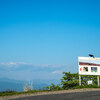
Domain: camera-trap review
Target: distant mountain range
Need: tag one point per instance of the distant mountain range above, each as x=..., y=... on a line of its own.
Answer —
x=16, y=85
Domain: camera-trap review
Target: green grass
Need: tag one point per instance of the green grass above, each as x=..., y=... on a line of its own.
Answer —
x=8, y=93
x=89, y=86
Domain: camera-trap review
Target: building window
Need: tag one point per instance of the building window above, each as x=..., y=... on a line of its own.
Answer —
x=85, y=69
x=93, y=69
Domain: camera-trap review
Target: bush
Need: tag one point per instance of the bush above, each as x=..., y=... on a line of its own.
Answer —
x=71, y=80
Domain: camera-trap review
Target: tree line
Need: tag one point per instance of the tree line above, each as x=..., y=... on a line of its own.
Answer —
x=71, y=80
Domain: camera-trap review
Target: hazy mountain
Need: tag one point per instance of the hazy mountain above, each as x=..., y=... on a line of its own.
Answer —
x=16, y=85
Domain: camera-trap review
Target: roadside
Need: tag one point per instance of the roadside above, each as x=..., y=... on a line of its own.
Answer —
x=48, y=93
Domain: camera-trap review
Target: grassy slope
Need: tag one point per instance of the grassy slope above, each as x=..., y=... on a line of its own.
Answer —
x=8, y=93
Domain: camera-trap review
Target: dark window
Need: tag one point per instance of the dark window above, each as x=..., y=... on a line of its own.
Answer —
x=93, y=69
x=85, y=69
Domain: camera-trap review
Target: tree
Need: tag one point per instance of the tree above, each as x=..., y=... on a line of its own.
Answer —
x=55, y=87
x=69, y=80
x=86, y=78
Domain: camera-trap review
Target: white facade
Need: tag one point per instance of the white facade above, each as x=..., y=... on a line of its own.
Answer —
x=89, y=66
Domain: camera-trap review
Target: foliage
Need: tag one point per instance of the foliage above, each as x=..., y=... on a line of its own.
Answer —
x=70, y=80
x=85, y=78
x=88, y=86
x=7, y=93
x=53, y=87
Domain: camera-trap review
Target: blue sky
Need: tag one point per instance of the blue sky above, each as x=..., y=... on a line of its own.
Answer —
x=47, y=33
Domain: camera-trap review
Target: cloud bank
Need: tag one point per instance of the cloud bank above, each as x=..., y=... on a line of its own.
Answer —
x=28, y=71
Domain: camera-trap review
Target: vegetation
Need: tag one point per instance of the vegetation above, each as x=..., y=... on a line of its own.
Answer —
x=71, y=81
x=53, y=87
x=7, y=93
x=68, y=81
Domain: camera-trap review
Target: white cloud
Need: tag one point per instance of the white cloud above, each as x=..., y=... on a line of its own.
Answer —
x=22, y=66
x=13, y=64
x=21, y=70
x=57, y=72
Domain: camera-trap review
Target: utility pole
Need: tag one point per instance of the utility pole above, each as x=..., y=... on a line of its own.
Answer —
x=98, y=80
x=31, y=85
x=79, y=80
